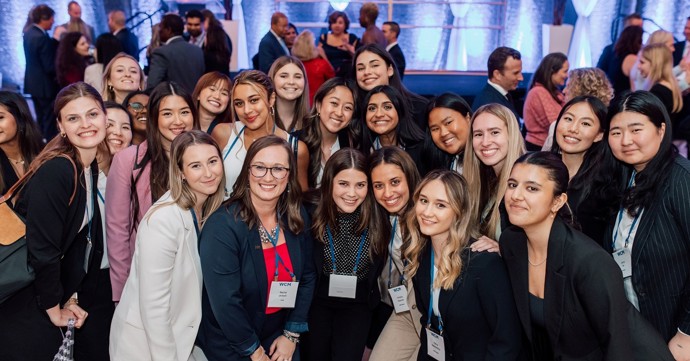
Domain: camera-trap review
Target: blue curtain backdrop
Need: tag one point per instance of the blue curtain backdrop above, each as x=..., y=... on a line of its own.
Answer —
x=514, y=23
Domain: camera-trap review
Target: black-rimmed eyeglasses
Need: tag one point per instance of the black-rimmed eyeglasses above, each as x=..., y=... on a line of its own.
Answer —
x=259, y=171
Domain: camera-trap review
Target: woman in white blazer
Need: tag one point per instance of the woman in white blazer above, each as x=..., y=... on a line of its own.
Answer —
x=160, y=310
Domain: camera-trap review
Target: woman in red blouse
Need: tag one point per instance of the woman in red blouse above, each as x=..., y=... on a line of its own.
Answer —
x=316, y=64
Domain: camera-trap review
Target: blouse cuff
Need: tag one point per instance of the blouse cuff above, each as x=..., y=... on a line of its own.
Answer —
x=297, y=327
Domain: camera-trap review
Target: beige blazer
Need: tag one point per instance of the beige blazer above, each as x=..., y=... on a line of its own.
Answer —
x=160, y=310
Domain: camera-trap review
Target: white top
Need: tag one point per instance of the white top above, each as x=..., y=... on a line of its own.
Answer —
x=499, y=88
x=620, y=233
x=334, y=148
x=437, y=295
x=391, y=45
x=100, y=196
x=93, y=75
x=456, y=164
x=233, y=156
x=88, y=214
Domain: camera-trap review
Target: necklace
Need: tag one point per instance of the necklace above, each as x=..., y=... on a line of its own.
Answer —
x=17, y=162
x=536, y=264
x=263, y=234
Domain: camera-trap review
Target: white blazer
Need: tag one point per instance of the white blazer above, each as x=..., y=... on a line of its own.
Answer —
x=160, y=310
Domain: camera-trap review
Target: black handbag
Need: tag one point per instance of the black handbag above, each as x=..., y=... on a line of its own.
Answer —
x=15, y=271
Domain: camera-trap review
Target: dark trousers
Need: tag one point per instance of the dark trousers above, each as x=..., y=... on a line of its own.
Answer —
x=338, y=329
x=92, y=340
x=380, y=317
x=45, y=118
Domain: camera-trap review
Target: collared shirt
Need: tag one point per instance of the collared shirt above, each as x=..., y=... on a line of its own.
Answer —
x=391, y=45
x=499, y=88
x=281, y=41
x=173, y=38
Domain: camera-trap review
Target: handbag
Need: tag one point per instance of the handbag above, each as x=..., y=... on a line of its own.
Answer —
x=15, y=271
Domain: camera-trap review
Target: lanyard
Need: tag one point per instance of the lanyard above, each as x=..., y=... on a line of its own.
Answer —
x=390, y=252
x=359, y=249
x=431, y=300
x=377, y=144
x=620, y=217
x=196, y=224
x=274, y=242
x=232, y=145
x=100, y=196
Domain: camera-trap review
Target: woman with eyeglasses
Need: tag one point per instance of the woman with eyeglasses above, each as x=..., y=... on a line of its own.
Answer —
x=256, y=257
x=136, y=103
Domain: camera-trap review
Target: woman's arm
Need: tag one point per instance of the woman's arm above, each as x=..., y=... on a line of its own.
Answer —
x=628, y=62
x=158, y=240
x=118, y=218
x=303, y=165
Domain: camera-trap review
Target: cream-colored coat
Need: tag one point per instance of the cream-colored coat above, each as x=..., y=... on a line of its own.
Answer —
x=160, y=310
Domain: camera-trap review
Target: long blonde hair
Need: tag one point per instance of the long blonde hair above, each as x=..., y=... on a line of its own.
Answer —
x=485, y=187
x=461, y=229
x=661, y=69
x=108, y=92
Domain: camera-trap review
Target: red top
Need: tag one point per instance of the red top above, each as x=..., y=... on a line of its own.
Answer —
x=318, y=71
x=283, y=274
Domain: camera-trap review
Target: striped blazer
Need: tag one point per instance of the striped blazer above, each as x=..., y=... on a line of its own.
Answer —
x=661, y=255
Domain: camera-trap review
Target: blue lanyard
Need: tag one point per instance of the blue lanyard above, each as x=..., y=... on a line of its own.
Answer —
x=100, y=196
x=274, y=242
x=390, y=252
x=232, y=145
x=620, y=217
x=431, y=299
x=196, y=224
x=377, y=144
x=332, y=249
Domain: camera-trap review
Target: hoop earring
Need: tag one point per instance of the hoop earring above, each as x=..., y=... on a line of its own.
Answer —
x=273, y=112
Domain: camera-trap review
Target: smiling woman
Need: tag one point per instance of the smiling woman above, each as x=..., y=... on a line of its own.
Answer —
x=121, y=76
x=448, y=116
x=212, y=96
x=292, y=92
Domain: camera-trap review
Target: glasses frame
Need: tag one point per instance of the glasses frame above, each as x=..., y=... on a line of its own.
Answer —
x=252, y=169
x=143, y=107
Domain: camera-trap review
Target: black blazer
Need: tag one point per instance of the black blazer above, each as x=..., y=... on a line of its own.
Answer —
x=398, y=58
x=679, y=48
x=479, y=317
x=269, y=51
x=661, y=255
x=489, y=95
x=130, y=42
x=57, y=247
x=586, y=311
x=236, y=288
x=177, y=61
x=39, y=50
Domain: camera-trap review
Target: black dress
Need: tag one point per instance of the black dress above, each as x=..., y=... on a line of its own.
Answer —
x=614, y=72
x=341, y=60
x=666, y=96
x=9, y=177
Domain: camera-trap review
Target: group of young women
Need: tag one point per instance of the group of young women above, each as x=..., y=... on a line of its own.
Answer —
x=239, y=225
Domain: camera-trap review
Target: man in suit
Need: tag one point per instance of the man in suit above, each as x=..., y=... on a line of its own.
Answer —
x=176, y=60
x=682, y=48
x=633, y=19
x=505, y=73
x=368, y=14
x=391, y=30
x=130, y=42
x=75, y=23
x=272, y=45
x=195, y=34
x=40, y=78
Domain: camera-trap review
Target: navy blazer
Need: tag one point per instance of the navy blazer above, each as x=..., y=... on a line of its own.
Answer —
x=269, y=50
x=236, y=288
x=661, y=254
x=489, y=95
x=679, y=48
x=398, y=58
x=177, y=61
x=480, y=321
x=130, y=42
x=39, y=50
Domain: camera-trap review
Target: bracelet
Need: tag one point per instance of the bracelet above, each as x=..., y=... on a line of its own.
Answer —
x=291, y=336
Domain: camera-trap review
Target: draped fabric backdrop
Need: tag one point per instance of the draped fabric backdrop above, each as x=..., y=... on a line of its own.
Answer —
x=485, y=24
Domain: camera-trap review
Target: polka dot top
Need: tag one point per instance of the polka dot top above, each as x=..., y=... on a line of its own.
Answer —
x=346, y=241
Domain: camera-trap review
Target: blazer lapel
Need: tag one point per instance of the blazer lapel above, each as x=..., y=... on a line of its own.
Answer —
x=191, y=241
x=257, y=255
x=516, y=262
x=424, y=282
x=647, y=221
x=554, y=285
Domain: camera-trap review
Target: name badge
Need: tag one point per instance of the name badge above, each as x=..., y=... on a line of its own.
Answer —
x=282, y=294
x=342, y=286
x=399, y=298
x=624, y=259
x=434, y=345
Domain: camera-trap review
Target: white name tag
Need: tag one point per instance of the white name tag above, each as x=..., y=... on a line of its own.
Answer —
x=342, y=286
x=434, y=345
x=399, y=298
x=624, y=259
x=282, y=294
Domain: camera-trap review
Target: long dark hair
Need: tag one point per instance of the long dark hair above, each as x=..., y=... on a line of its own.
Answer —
x=549, y=66
x=67, y=59
x=216, y=46
x=289, y=202
x=629, y=42
x=311, y=133
x=408, y=133
x=28, y=136
x=438, y=159
x=653, y=177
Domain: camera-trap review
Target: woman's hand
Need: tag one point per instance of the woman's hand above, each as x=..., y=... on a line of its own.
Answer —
x=484, y=243
x=347, y=47
x=321, y=53
x=680, y=347
x=259, y=355
x=282, y=349
x=60, y=316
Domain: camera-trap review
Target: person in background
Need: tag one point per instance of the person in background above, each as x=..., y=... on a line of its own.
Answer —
x=272, y=45
x=544, y=98
x=130, y=42
x=448, y=133
x=339, y=45
x=40, y=79
x=290, y=36
x=637, y=81
x=136, y=103
x=217, y=48
x=255, y=247
x=212, y=97
x=624, y=56
x=154, y=44
x=505, y=74
x=71, y=59
x=75, y=24
x=20, y=139
x=391, y=30
x=195, y=33
x=107, y=47
x=368, y=14
x=607, y=54
x=160, y=310
x=122, y=75
x=316, y=65
x=454, y=285
x=681, y=47
x=289, y=79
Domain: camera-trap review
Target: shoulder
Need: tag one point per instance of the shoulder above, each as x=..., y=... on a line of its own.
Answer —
x=55, y=173
x=481, y=261
x=352, y=38
x=679, y=178
x=224, y=217
x=130, y=153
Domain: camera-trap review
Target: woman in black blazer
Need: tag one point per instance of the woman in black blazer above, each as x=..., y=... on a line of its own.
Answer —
x=567, y=289
x=64, y=240
x=254, y=247
x=464, y=296
x=655, y=191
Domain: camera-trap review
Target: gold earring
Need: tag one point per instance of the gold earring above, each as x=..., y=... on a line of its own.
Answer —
x=63, y=135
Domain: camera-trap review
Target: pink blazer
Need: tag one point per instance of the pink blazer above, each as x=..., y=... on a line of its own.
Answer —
x=119, y=212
